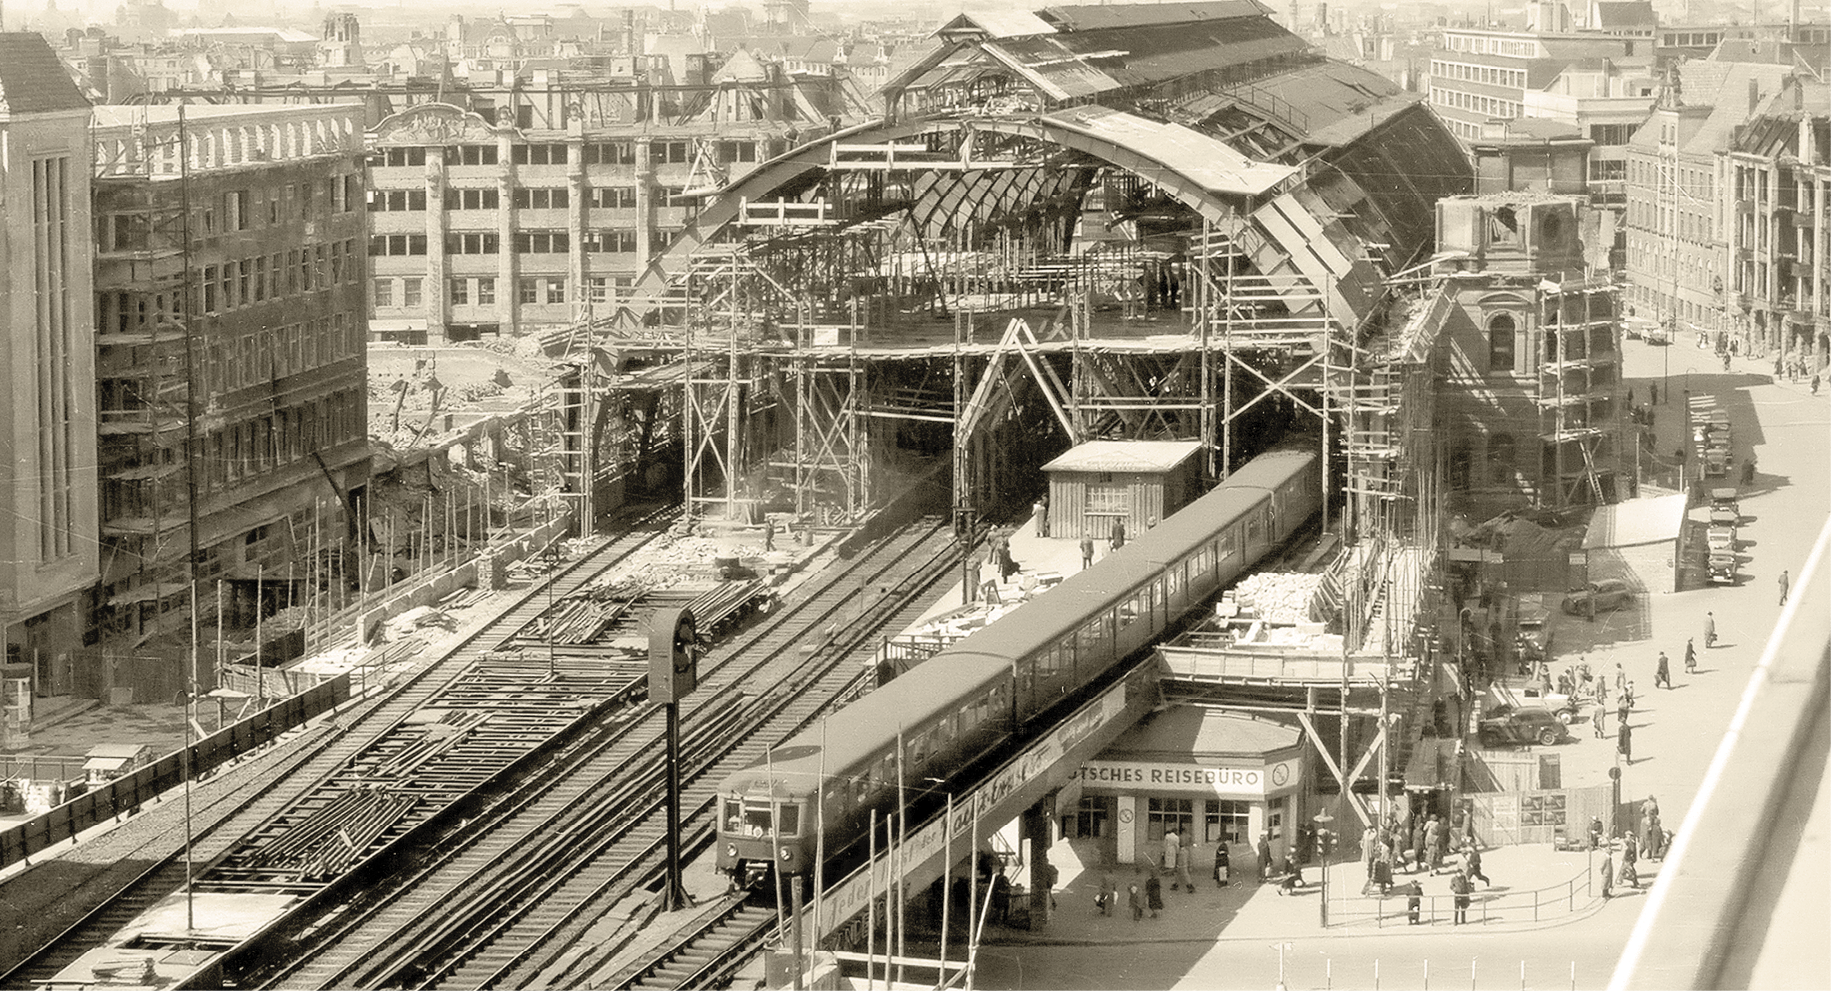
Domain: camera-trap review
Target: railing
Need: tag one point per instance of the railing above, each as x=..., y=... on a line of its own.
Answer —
x=1485, y=906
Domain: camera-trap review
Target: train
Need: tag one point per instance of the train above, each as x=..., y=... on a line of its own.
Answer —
x=985, y=691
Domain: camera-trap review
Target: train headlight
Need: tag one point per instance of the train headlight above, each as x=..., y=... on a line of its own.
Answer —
x=731, y=850
x=788, y=854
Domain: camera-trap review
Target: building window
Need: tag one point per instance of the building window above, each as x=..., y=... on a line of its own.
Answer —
x=410, y=291
x=471, y=199
x=528, y=290
x=1090, y=817
x=556, y=290
x=397, y=199
x=397, y=244
x=1108, y=499
x=613, y=197
x=737, y=151
x=665, y=152
x=1501, y=454
x=542, y=242
x=472, y=244
x=1500, y=343
x=486, y=292
x=610, y=153
x=540, y=154
x=1164, y=814
x=460, y=292
x=1224, y=821
x=384, y=292
x=610, y=241
x=471, y=155
x=235, y=211
x=541, y=199
x=597, y=289
x=400, y=157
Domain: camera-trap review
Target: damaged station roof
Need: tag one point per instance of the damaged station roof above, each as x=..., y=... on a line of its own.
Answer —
x=1314, y=169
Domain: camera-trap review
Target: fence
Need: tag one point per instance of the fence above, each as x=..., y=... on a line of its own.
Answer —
x=15, y=767
x=1535, y=905
x=128, y=793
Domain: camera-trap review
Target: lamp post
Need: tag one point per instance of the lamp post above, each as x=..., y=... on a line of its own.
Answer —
x=1322, y=820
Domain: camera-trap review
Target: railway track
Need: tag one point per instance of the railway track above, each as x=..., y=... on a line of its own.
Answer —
x=497, y=906
x=300, y=773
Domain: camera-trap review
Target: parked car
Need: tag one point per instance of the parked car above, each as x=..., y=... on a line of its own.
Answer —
x=1720, y=538
x=1724, y=508
x=1722, y=567
x=1532, y=639
x=1609, y=593
x=1506, y=725
x=1564, y=707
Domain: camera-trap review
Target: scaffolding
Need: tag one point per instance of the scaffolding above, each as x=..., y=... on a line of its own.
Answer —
x=1577, y=382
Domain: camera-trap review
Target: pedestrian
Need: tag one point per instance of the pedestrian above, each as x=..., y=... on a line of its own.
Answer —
x=1815, y=380
x=1624, y=742
x=1104, y=895
x=1369, y=848
x=1471, y=861
x=769, y=534
x=1264, y=850
x=1118, y=534
x=1663, y=672
x=1783, y=587
x=1087, y=551
x=1630, y=852
x=1182, y=868
x=1621, y=677
x=1595, y=832
x=1608, y=875
x=1153, y=892
x=1710, y=630
x=1042, y=515
x=1171, y=843
x=1049, y=875
x=1222, y=868
x=1690, y=656
x=1433, y=837
x=1598, y=721
x=1653, y=394
x=1460, y=886
x=1293, y=876
x=1137, y=901
x=1414, y=900
x=973, y=563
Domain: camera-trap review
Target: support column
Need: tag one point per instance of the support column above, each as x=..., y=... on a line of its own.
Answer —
x=1127, y=814
x=1037, y=821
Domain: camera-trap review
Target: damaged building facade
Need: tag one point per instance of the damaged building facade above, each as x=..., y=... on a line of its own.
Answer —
x=230, y=340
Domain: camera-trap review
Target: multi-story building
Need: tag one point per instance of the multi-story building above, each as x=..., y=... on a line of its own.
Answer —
x=548, y=193
x=1487, y=73
x=1528, y=356
x=230, y=339
x=48, y=546
x=1680, y=201
x=1777, y=221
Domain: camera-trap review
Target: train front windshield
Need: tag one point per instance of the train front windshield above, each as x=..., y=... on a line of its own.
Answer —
x=755, y=819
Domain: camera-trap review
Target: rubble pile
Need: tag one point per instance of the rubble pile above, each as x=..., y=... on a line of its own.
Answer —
x=1280, y=597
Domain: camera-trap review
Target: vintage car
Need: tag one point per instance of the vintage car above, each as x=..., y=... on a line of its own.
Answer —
x=1609, y=593
x=1721, y=537
x=1564, y=707
x=1723, y=507
x=1507, y=725
x=1722, y=567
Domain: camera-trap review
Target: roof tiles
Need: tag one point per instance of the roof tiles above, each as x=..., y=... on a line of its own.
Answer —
x=33, y=78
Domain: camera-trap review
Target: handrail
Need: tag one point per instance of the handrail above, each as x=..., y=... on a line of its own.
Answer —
x=1533, y=905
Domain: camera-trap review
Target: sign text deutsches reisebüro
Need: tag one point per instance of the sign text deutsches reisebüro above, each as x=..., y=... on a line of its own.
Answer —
x=1147, y=776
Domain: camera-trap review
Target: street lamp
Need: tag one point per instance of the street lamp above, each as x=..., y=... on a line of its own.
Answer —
x=1323, y=836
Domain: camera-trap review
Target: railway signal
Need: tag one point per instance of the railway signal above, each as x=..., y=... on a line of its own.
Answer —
x=673, y=673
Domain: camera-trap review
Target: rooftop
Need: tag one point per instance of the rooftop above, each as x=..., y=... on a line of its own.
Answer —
x=32, y=78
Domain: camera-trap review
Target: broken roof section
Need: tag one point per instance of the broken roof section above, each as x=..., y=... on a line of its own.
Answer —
x=1187, y=153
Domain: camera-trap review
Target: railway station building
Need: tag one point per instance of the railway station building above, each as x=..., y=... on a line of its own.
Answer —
x=1207, y=775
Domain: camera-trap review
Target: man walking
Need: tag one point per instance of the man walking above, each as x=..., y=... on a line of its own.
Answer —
x=1264, y=850
x=1042, y=515
x=1414, y=899
x=1471, y=861
x=1182, y=869
x=1608, y=875
x=1690, y=656
x=1598, y=721
x=1087, y=551
x=1171, y=843
x=1624, y=741
x=1710, y=630
x=1118, y=534
x=1662, y=673
x=1783, y=587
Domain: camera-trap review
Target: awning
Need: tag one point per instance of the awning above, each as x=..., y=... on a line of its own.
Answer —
x=1637, y=521
x=106, y=764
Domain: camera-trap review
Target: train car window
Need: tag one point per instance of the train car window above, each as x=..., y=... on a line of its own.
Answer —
x=1255, y=527
x=790, y=822
x=1128, y=611
x=734, y=815
x=1175, y=580
x=1230, y=542
x=1065, y=650
x=998, y=703
x=756, y=819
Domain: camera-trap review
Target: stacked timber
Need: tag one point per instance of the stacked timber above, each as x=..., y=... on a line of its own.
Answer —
x=325, y=843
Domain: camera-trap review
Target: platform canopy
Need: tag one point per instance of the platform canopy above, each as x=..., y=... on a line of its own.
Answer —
x=1125, y=455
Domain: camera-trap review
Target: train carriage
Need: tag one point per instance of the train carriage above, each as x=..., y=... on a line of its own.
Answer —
x=980, y=693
